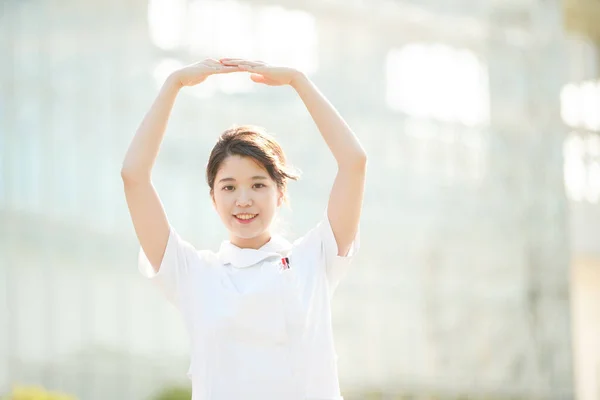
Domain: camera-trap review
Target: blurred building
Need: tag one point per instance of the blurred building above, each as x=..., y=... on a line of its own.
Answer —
x=479, y=272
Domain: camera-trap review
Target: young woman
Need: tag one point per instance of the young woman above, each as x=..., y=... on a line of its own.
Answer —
x=258, y=311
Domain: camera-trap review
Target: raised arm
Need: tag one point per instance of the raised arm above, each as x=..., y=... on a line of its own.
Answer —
x=345, y=200
x=346, y=197
x=146, y=210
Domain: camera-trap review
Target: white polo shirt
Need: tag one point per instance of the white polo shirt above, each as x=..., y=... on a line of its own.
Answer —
x=259, y=331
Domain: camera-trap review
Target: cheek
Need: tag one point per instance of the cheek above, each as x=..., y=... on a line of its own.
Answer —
x=271, y=200
x=221, y=201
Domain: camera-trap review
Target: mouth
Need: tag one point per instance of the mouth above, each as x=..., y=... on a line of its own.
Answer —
x=245, y=218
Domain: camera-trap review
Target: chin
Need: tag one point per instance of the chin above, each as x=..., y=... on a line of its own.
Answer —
x=249, y=233
x=246, y=235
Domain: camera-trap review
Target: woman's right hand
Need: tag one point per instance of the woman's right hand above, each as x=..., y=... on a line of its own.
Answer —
x=194, y=74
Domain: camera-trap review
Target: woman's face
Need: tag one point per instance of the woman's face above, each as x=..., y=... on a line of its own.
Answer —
x=246, y=199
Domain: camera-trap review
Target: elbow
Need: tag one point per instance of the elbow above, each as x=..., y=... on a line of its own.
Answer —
x=130, y=177
x=361, y=159
x=357, y=161
x=126, y=174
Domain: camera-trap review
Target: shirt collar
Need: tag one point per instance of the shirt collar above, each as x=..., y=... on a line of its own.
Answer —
x=229, y=253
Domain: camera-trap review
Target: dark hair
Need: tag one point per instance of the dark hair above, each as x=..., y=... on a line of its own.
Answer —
x=251, y=141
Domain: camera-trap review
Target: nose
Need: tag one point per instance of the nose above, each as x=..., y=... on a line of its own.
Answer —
x=244, y=199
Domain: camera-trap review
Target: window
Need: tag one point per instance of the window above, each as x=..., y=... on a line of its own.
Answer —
x=203, y=28
x=3, y=153
x=165, y=25
x=580, y=105
x=580, y=109
x=443, y=93
x=439, y=82
x=582, y=167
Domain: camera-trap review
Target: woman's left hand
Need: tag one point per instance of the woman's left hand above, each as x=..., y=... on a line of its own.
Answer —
x=262, y=72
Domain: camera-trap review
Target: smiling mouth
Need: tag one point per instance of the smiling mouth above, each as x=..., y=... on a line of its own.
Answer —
x=245, y=217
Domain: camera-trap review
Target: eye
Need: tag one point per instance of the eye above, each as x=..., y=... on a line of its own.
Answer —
x=228, y=188
x=259, y=185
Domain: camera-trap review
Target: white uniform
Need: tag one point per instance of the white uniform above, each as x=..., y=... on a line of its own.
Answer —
x=259, y=331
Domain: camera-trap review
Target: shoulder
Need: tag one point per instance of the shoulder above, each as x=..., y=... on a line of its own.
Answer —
x=206, y=259
x=313, y=239
x=208, y=256
x=308, y=247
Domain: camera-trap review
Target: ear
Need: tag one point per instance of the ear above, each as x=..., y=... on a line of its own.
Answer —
x=212, y=200
x=279, y=198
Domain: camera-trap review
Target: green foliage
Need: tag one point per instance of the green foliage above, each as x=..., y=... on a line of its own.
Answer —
x=175, y=393
x=185, y=393
x=36, y=393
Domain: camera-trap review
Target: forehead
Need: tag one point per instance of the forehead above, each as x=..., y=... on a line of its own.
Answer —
x=239, y=167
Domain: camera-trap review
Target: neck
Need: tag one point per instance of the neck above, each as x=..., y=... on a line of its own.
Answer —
x=255, y=242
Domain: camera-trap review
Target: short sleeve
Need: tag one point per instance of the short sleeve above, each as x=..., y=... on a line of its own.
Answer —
x=322, y=240
x=175, y=265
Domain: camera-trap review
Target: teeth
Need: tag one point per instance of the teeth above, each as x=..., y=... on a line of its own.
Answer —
x=246, y=216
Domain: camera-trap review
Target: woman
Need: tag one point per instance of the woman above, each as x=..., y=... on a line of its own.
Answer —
x=258, y=310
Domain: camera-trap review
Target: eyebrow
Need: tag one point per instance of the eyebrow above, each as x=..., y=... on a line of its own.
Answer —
x=256, y=177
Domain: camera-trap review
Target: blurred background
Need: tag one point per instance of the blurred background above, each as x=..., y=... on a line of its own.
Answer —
x=479, y=271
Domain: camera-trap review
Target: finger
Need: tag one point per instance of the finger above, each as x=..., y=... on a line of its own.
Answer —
x=230, y=60
x=225, y=70
x=215, y=65
x=259, y=70
x=252, y=63
x=241, y=62
x=258, y=78
x=233, y=59
x=219, y=69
